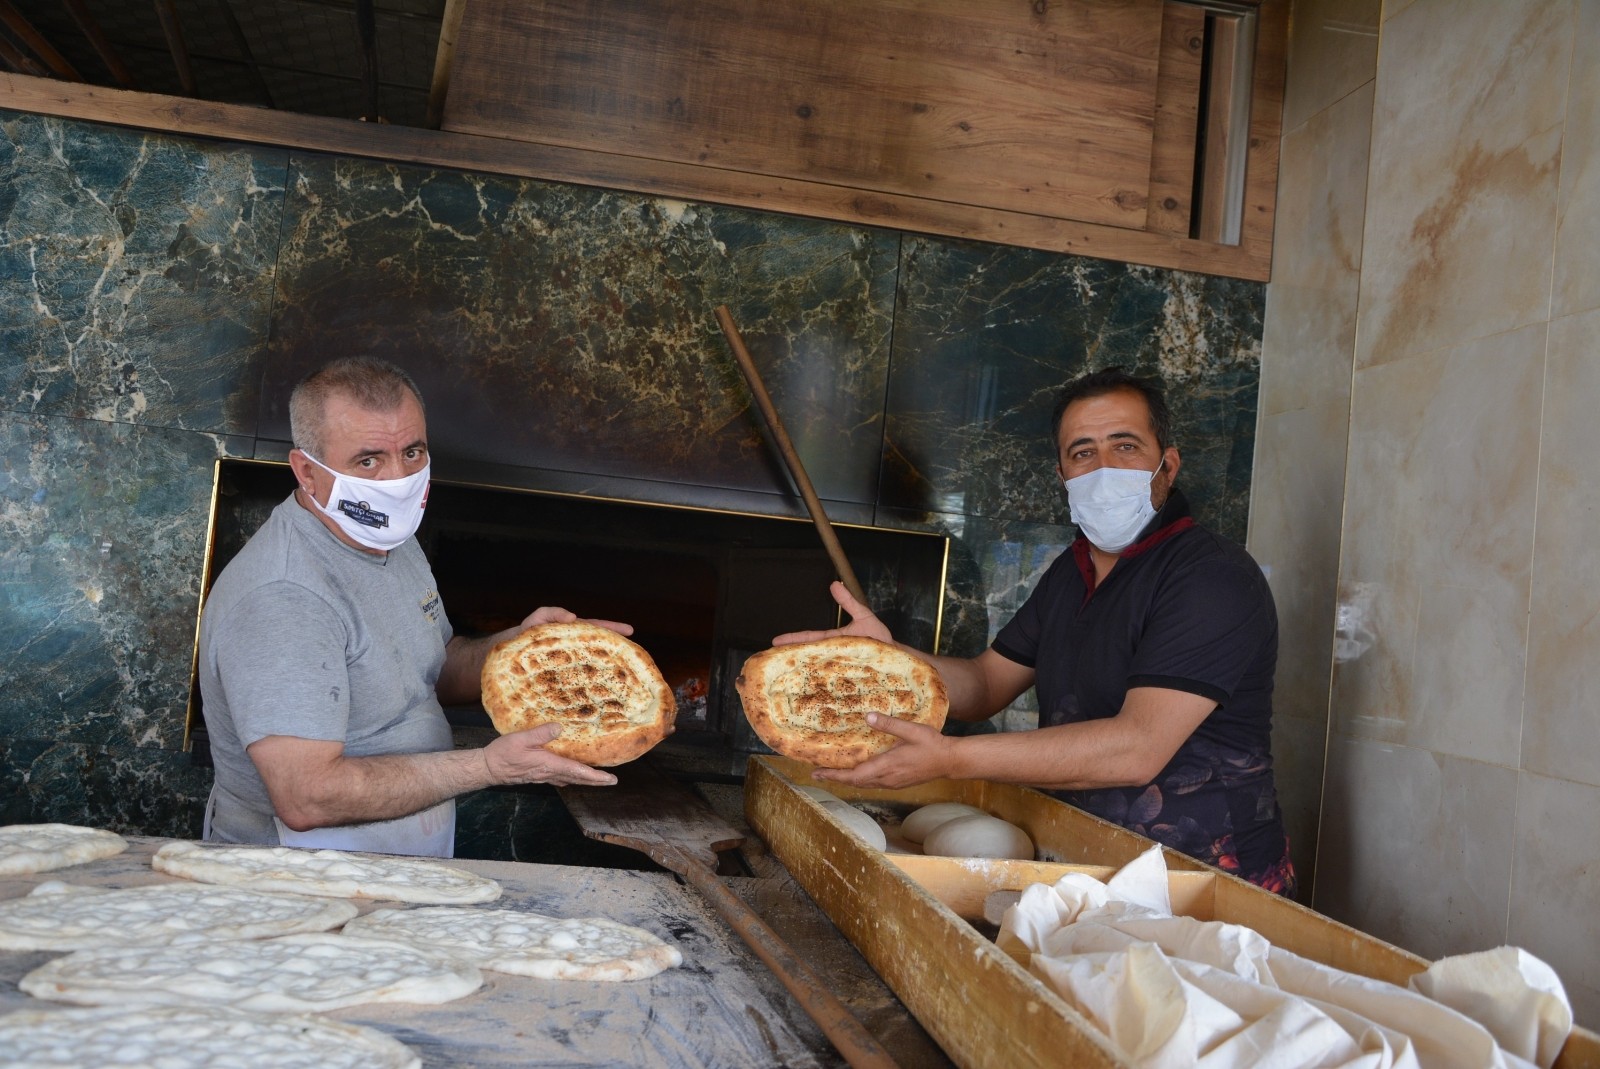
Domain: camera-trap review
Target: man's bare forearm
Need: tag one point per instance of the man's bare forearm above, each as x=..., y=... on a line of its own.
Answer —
x=358, y=790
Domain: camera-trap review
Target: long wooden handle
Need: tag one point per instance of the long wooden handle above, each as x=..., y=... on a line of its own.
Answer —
x=848, y=1036
x=791, y=459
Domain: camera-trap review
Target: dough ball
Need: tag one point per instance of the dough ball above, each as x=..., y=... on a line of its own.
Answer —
x=924, y=820
x=979, y=836
x=821, y=794
x=860, y=825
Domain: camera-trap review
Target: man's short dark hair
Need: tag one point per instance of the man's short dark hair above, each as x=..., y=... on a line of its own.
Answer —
x=373, y=384
x=1110, y=380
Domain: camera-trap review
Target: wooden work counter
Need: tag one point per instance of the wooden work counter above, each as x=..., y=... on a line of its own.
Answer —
x=720, y=1008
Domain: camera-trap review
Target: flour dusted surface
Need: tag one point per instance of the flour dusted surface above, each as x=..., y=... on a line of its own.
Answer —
x=60, y=916
x=41, y=847
x=332, y=873
x=291, y=974
x=179, y=1038
x=527, y=944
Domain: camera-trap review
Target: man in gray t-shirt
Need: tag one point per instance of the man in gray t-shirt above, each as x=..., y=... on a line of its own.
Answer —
x=325, y=653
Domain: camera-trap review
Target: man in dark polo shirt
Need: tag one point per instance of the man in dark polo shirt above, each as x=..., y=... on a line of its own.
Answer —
x=1152, y=644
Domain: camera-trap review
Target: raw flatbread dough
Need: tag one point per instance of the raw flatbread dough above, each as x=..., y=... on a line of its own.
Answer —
x=26, y=848
x=921, y=822
x=291, y=974
x=330, y=873
x=861, y=826
x=979, y=836
x=181, y=1038
x=61, y=916
x=527, y=944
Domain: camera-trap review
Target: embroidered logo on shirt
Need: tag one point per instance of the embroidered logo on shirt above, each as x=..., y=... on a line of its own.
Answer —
x=430, y=605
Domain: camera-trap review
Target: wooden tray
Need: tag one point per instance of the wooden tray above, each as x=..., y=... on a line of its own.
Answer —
x=911, y=916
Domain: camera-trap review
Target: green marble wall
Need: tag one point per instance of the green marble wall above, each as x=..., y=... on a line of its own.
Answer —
x=158, y=295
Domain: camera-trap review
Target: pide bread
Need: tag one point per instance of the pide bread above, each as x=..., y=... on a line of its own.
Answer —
x=810, y=700
x=604, y=691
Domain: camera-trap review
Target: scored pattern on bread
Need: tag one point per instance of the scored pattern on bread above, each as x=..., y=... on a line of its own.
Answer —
x=603, y=689
x=809, y=700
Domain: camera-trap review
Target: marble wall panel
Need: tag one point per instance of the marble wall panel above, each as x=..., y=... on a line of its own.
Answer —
x=1577, y=270
x=1466, y=150
x=135, y=273
x=1561, y=732
x=986, y=336
x=1416, y=846
x=102, y=535
x=572, y=329
x=1553, y=914
x=1308, y=339
x=1333, y=48
x=1437, y=546
x=140, y=790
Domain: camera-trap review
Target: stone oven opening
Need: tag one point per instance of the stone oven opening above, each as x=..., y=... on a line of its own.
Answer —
x=703, y=588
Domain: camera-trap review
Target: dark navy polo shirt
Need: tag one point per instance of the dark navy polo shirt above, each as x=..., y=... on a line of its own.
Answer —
x=1187, y=610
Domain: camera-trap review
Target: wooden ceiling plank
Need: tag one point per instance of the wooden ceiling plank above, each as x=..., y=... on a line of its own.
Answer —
x=173, y=29
x=35, y=40
x=102, y=44
x=245, y=51
x=20, y=61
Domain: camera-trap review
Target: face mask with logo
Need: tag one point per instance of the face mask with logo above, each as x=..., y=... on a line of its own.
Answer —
x=1112, y=505
x=378, y=513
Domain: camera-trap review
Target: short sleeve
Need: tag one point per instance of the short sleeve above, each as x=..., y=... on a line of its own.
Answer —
x=280, y=658
x=1205, y=631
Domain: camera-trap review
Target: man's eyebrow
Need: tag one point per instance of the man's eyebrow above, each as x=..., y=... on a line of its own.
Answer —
x=1112, y=437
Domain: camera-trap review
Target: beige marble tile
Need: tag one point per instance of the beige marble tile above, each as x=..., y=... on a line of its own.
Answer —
x=1416, y=846
x=1333, y=48
x=1466, y=146
x=1391, y=8
x=1437, y=547
x=1308, y=338
x=1296, y=488
x=1561, y=724
x=1577, y=281
x=1299, y=752
x=1553, y=889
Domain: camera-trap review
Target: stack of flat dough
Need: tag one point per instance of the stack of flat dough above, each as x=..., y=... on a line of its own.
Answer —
x=26, y=848
x=809, y=700
x=604, y=691
x=248, y=933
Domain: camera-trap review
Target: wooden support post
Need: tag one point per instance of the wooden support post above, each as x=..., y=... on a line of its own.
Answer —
x=180, y=51
x=102, y=44
x=443, y=60
x=243, y=44
x=367, y=30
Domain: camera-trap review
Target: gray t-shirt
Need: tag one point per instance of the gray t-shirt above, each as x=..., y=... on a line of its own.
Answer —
x=304, y=636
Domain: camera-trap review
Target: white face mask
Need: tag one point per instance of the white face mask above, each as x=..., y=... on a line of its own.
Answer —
x=1112, y=505
x=378, y=513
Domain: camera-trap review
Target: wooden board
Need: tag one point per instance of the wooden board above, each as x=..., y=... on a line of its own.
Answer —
x=910, y=917
x=720, y=1010
x=1046, y=108
x=645, y=807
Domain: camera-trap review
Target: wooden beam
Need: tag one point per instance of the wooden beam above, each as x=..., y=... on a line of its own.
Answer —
x=18, y=60
x=102, y=44
x=443, y=61
x=242, y=43
x=1249, y=260
x=180, y=51
x=367, y=31
x=33, y=39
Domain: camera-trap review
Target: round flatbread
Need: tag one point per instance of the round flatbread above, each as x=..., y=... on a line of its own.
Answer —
x=26, y=848
x=526, y=944
x=292, y=974
x=329, y=873
x=604, y=691
x=62, y=916
x=810, y=700
x=180, y=1038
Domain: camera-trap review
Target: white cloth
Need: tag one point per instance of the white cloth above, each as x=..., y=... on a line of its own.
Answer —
x=1174, y=991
